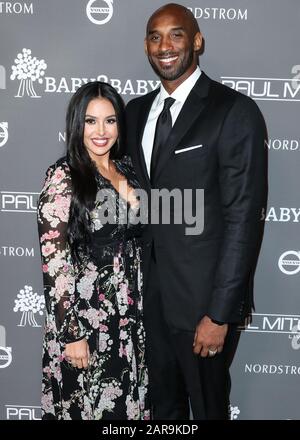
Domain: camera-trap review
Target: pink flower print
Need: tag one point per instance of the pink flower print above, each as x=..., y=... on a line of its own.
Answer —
x=66, y=304
x=47, y=403
x=122, y=351
x=132, y=408
x=58, y=175
x=130, y=300
x=85, y=288
x=43, y=238
x=53, y=348
x=65, y=268
x=101, y=297
x=123, y=288
x=48, y=249
x=45, y=268
x=111, y=392
x=50, y=235
x=123, y=322
x=102, y=346
x=52, y=190
x=62, y=284
x=93, y=316
x=47, y=371
x=103, y=328
x=123, y=335
x=102, y=315
x=62, y=205
x=146, y=415
x=116, y=265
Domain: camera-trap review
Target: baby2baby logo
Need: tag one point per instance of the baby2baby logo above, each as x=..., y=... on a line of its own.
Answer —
x=30, y=71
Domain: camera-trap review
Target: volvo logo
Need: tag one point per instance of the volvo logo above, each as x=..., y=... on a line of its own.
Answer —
x=100, y=13
x=289, y=262
x=3, y=133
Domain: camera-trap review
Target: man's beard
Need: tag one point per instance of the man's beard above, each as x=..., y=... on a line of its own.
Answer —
x=170, y=74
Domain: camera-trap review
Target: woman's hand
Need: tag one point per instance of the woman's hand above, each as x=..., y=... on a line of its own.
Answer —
x=78, y=354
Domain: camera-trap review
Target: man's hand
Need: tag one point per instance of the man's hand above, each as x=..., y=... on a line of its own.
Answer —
x=209, y=337
x=78, y=354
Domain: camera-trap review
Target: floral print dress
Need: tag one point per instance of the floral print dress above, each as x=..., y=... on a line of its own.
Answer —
x=101, y=301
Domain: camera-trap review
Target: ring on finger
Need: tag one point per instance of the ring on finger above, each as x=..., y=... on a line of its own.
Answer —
x=212, y=352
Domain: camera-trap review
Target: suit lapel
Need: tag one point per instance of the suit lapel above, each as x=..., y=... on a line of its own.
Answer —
x=142, y=119
x=191, y=110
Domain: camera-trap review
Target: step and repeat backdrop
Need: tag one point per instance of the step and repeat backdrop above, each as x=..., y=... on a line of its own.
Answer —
x=47, y=50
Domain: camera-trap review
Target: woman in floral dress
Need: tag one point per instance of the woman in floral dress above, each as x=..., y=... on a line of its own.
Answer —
x=94, y=342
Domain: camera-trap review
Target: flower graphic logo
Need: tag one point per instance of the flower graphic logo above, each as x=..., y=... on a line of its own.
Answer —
x=234, y=412
x=29, y=304
x=27, y=70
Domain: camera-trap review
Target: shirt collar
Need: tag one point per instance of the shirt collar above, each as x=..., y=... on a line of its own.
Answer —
x=182, y=91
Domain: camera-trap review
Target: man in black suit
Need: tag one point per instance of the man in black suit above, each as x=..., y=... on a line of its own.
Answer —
x=197, y=287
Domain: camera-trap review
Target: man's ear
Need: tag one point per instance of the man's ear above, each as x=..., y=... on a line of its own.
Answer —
x=198, y=41
x=145, y=46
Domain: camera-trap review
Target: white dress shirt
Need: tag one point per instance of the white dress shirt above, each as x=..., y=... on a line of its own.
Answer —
x=180, y=95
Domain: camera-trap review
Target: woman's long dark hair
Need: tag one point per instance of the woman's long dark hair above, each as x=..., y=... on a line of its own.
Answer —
x=82, y=168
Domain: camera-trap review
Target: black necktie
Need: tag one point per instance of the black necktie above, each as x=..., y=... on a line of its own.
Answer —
x=162, y=130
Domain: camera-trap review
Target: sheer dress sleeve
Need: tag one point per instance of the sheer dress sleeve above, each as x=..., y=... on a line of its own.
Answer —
x=67, y=290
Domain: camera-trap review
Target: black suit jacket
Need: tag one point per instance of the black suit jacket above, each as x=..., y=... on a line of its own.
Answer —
x=211, y=273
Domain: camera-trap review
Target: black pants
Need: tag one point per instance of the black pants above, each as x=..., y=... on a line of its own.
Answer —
x=179, y=378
